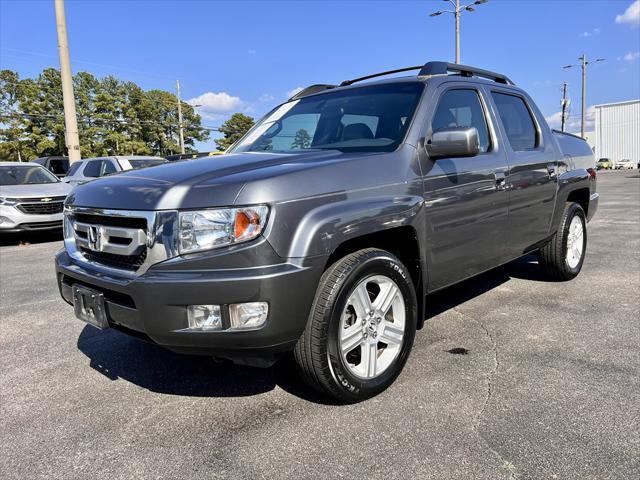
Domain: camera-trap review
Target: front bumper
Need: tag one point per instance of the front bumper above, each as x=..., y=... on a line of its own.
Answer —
x=13, y=220
x=153, y=306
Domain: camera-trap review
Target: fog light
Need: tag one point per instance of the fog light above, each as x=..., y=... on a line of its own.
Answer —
x=248, y=315
x=204, y=317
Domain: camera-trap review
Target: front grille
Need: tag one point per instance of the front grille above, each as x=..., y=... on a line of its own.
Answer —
x=111, y=221
x=125, y=262
x=40, y=225
x=44, y=208
x=121, y=243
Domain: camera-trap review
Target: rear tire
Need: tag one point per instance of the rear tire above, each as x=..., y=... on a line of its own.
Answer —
x=561, y=259
x=363, y=300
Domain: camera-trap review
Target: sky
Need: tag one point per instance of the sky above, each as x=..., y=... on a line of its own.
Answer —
x=248, y=56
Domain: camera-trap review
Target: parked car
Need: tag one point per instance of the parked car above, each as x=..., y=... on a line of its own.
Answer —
x=31, y=197
x=190, y=156
x=605, y=164
x=323, y=230
x=92, y=168
x=625, y=163
x=59, y=166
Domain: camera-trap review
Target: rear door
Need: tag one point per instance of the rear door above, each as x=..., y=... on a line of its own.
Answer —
x=465, y=198
x=532, y=178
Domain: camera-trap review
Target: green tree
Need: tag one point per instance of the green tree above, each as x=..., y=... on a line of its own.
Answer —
x=301, y=140
x=11, y=146
x=233, y=129
x=114, y=117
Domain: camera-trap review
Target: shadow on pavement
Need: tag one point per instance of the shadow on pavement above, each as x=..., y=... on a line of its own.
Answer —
x=525, y=268
x=118, y=356
x=27, y=238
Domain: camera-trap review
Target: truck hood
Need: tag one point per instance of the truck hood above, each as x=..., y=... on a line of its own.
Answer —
x=198, y=183
x=58, y=189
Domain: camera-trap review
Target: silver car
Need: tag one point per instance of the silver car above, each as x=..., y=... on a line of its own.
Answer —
x=92, y=168
x=31, y=197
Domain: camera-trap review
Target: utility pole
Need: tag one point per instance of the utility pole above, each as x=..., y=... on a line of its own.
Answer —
x=583, y=64
x=457, y=11
x=564, y=104
x=457, y=15
x=180, y=126
x=70, y=121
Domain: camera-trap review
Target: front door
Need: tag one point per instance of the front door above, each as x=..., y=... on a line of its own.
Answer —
x=466, y=199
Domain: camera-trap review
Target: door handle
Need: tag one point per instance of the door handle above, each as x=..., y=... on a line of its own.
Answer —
x=501, y=180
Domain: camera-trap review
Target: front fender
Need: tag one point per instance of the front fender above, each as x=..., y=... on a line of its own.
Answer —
x=323, y=228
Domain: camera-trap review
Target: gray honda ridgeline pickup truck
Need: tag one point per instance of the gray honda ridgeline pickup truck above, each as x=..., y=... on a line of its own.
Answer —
x=325, y=228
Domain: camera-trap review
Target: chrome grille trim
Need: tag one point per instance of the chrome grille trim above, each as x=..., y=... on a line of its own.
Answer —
x=158, y=242
x=103, y=239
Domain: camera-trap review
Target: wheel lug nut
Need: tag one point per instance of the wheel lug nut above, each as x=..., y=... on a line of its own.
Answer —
x=374, y=334
x=366, y=334
x=364, y=322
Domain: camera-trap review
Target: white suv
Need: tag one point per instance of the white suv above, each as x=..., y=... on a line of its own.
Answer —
x=92, y=168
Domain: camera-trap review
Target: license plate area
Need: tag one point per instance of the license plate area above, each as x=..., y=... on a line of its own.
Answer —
x=88, y=305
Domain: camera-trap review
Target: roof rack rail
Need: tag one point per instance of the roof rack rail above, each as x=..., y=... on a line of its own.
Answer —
x=443, y=68
x=429, y=68
x=310, y=90
x=439, y=68
x=388, y=72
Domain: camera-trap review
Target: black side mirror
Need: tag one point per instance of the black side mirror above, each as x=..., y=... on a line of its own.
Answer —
x=454, y=142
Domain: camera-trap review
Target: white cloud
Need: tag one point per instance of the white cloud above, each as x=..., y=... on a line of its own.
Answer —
x=630, y=57
x=631, y=15
x=214, y=105
x=291, y=93
x=266, y=97
x=590, y=33
x=573, y=120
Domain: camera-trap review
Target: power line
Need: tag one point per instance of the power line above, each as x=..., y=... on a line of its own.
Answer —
x=105, y=120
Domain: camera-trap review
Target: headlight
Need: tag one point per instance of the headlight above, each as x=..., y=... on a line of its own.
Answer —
x=9, y=202
x=206, y=229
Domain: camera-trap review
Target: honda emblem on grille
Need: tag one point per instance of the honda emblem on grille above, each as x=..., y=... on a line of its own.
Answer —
x=94, y=238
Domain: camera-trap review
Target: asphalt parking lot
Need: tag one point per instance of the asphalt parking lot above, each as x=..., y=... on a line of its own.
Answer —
x=549, y=388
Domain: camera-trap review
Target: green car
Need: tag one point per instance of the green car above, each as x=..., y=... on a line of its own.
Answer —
x=604, y=164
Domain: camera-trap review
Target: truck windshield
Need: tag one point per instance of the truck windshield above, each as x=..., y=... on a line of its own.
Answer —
x=25, y=175
x=367, y=119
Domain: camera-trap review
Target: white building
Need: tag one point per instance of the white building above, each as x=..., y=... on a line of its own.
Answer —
x=617, y=132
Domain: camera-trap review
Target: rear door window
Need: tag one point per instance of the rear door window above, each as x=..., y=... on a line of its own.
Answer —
x=517, y=121
x=462, y=108
x=59, y=166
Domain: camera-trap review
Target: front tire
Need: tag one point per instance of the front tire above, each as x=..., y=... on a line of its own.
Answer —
x=562, y=258
x=361, y=327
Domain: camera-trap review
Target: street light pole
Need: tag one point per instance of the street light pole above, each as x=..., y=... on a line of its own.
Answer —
x=70, y=121
x=180, y=126
x=457, y=11
x=583, y=64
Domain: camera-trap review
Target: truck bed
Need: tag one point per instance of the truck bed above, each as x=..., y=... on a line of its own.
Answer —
x=576, y=148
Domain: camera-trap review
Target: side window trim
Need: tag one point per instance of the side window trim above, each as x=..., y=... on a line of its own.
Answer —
x=492, y=145
x=539, y=145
